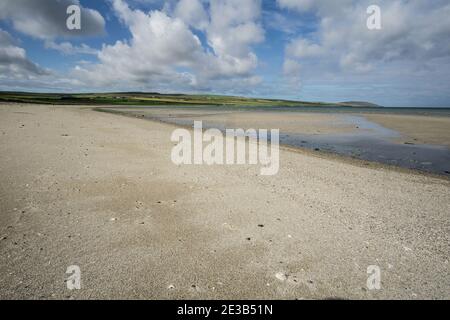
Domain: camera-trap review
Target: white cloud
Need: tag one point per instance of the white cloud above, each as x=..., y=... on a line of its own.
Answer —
x=343, y=34
x=14, y=63
x=342, y=50
x=46, y=19
x=315, y=5
x=303, y=48
x=164, y=50
x=192, y=13
x=68, y=48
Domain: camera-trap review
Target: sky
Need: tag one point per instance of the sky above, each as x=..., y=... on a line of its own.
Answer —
x=312, y=50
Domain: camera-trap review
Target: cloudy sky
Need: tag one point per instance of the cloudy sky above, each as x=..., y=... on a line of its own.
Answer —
x=316, y=50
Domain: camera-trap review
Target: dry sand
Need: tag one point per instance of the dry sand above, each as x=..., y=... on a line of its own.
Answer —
x=99, y=191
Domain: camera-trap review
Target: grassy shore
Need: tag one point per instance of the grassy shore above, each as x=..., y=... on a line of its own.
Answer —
x=145, y=99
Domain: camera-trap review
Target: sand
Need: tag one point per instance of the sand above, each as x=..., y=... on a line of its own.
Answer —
x=287, y=122
x=98, y=190
x=416, y=128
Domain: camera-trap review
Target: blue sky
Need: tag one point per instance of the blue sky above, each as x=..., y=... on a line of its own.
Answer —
x=294, y=49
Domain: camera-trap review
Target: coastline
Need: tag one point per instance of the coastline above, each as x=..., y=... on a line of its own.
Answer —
x=324, y=123
x=99, y=191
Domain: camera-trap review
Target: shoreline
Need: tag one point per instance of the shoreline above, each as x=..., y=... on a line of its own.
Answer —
x=298, y=149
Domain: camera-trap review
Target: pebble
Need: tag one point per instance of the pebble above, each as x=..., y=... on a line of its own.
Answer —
x=281, y=276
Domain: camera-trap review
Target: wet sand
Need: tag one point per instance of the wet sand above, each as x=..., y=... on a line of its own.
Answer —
x=416, y=129
x=288, y=122
x=98, y=190
x=354, y=135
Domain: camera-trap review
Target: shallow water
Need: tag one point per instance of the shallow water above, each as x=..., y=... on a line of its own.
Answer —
x=371, y=141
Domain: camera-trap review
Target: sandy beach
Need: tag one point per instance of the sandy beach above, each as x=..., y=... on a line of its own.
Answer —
x=417, y=129
x=98, y=190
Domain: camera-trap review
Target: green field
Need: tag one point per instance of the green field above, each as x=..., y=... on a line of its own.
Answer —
x=147, y=99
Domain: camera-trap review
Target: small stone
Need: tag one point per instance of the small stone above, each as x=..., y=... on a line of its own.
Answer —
x=281, y=276
x=171, y=287
x=261, y=225
x=113, y=219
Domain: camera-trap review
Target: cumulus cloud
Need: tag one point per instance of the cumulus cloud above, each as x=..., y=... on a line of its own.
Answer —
x=159, y=45
x=303, y=48
x=164, y=49
x=68, y=48
x=14, y=62
x=343, y=33
x=46, y=19
x=413, y=38
x=192, y=13
x=211, y=45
